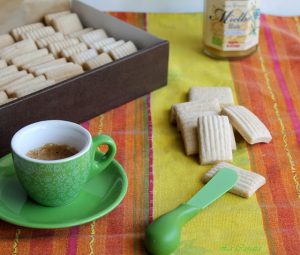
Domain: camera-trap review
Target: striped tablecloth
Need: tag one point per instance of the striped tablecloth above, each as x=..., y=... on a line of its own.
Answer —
x=161, y=176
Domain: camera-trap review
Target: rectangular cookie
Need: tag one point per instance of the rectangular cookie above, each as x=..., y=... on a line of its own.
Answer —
x=43, y=70
x=247, y=184
x=206, y=94
x=79, y=33
x=194, y=106
x=108, y=47
x=16, y=32
x=34, y=87
x=8, y=70
x=67, y=71
x=58, y=61
x=3, y=63
x=56, y=47
x=44, y=41
x=28, y=57
x=50, y=16
x=17, y=49
x=99, y=44
x=37, y=33
x=11, y=90
x=6, y=40
x=67, y=52
x=247, y=124
x=38, y=61
x=97, y=61
x=123, y=50
x=11, y=77
x=93, y=36
x=3, y=97
x=214, y=136
x=67, y=24
x=81, y=57
x=18, y=81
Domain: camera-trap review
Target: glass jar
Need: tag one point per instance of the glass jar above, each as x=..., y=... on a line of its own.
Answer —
x=231, y=28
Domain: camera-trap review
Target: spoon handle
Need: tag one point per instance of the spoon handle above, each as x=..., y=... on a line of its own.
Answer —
x=163, y=235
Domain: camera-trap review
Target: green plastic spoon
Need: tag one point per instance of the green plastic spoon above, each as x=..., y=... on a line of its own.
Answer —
x=163, y=234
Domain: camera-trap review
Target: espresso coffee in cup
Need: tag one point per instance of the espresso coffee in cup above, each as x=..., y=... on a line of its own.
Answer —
x=52, y=151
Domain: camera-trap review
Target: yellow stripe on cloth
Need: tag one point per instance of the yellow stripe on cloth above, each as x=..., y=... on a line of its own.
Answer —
x=231, y=225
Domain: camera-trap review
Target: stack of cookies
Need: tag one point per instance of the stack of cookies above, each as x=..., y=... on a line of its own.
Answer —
x=38, y=55
x=207, y=124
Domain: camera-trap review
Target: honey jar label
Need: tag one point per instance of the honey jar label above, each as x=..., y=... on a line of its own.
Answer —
x=231, y=25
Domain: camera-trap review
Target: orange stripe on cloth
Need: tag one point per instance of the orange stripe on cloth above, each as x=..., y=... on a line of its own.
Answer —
x=266, y=83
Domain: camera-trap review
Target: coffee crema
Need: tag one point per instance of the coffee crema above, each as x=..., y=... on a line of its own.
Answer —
x=52, y=151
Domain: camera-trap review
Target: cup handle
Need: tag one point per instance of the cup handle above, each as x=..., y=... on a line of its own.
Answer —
x=101, y=161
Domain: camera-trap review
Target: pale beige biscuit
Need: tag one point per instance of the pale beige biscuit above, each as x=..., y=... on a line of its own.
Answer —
x=50, y=16
x=93, y=36
x=79, y=33
x=28, y=57
x=17, y=49
x=3, y=63
x=57, y=47
x=188, y=123
x=3, y=97
x=58, y=61
x=99, y=44
x=34, y=88
x=67, y=52
x=81, y=57
x=8, y=70
x=6, y=40
x=66, y=72
x=206, y=94
x=18, y=81
x=214, y=136
x=43, y=70
x=11, y=77
x=97, y=61
x=38, y=61
x=194, y=106
x=45, y=41
x=38, y=33
x=247, y=184
x=67, y=24
x=123, y=50
x=11, y=90
x=111, y=46
x=247, y=124
x=233, y=142
x=16, y=32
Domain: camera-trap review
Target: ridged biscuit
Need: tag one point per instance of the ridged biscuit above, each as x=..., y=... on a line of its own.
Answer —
x=17, y=49
x=3, y=63
x=67, y=71
x=6, y=40
x=45, y=41
x=57, y=47
x=28, y=57
x=123, y=50
x=108, y=47
x=11, y=77
x=79, y=33
x=58, y=61
x=67, y=24
x=8, y=70
x=206, y=94
x=50, y=16
x=3, y=97
x=43, y=70
x=93, y=36
x=194, y=106
x=67, y=52
x=18, y=81
x=247, y=124
x=16, y=32
x=34, y=87
x=81, y=57
x=38, y=33
x=38, y=61
x=11, y=90
x=99, y=44
x=214, y=136
x=97, y=61
x=247, y=184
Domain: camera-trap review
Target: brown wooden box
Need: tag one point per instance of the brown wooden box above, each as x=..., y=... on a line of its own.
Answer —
x=96, y=91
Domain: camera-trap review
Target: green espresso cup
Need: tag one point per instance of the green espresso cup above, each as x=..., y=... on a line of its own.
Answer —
x=58, y=182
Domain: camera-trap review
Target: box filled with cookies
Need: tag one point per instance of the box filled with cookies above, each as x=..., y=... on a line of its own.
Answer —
x=73, y=64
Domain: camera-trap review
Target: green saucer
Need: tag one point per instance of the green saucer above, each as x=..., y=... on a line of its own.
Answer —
x=101, y=195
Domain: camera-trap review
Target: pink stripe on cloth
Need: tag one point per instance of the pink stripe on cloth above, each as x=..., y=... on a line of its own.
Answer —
x=72, y=245
x=281, y=80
